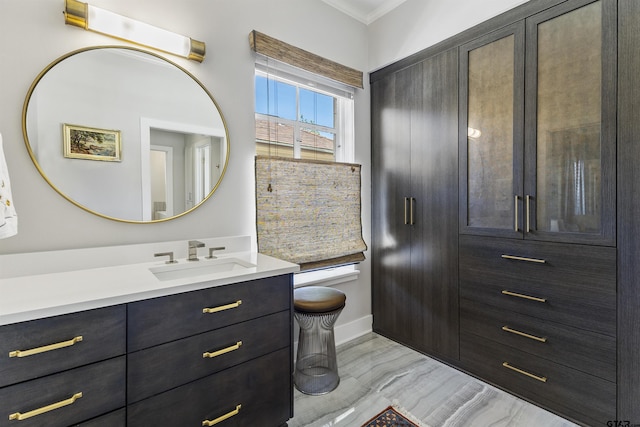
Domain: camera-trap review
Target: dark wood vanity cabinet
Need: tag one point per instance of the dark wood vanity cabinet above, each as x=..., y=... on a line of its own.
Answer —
x=218, y=353
x=72, y=367
x=415, y=203
x=548, y=230
x=190, y=359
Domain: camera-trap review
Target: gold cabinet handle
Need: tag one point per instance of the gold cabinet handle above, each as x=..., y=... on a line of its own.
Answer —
x=528, y=228
x=515, y=219
x=223, y=351
x=517, y=295
x=43, y=349
x=20, y=416
x=523, y=334
x=521, y=258
x=222, y=307
x=412, y=201
x=528, y=374
x=208, y=423
x=406, y=221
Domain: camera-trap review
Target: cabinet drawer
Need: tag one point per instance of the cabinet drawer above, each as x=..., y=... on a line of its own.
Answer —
x=261, y=388
x=102, y=332
x=583, y=350
x=576, y=284
x=102, y=388
x=166, y=366
x=567, y=391
x=114, y=419
x=165, y=319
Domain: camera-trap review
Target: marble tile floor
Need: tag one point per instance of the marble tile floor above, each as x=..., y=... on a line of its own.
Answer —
x=376, y=372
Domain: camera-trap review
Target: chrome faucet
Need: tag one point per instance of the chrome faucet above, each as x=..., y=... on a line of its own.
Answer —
x=193, y=250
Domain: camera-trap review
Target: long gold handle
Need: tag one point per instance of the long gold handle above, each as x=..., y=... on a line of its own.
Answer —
x=528, y=198
x=223, y=351
x=43, y=349
x=222, y=307
x=221, y=418
x=406, y=221
x=20, y=416
x=412, y=201
x=523, y=334
x=521, y=258
x=516, y=213
x=520, y=371
x=514, y=294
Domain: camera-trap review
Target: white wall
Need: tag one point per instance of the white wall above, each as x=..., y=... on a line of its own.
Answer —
x=418, y=24
x=33, y=34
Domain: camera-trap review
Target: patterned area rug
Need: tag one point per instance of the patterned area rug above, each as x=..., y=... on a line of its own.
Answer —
x=390, y=417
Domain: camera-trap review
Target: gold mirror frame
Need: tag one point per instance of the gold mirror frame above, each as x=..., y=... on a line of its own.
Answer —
x=59, y=60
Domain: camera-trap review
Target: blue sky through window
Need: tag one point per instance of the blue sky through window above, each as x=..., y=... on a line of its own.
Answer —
x=277, y=98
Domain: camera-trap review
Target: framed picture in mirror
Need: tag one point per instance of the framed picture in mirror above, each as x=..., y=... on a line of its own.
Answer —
x=87, y=143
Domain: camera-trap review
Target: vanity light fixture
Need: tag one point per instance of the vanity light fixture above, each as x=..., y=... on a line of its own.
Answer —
x=102, y=21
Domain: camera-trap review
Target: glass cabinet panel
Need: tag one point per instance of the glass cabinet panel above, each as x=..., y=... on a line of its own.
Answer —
x=569, y=83
x=490, y=175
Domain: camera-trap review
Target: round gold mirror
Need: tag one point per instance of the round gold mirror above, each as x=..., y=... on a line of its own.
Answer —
x=125, y=134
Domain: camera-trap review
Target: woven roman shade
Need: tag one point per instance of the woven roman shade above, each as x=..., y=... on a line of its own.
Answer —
x=284, y=52
x=309, y=212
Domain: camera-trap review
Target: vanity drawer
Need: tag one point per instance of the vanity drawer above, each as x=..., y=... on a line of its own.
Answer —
x=80, y=338
x=114, y=419
x=169, y=365
x=576, y=284
x=583, y=350
x=102, y=388
x=260, y=391
x=159, y=320
x=567, y=391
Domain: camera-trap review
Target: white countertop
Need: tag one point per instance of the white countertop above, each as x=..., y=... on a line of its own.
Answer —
x=30, y=297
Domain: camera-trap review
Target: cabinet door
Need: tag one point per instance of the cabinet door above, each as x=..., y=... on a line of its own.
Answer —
x=570, y=133
x=415, y=204
x=393, y=294
x=491, y=133
x=434, y=229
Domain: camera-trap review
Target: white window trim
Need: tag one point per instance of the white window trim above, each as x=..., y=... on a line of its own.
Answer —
x=326, y=277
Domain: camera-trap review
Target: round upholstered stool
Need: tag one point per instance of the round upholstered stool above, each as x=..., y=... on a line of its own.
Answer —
x=316, y=308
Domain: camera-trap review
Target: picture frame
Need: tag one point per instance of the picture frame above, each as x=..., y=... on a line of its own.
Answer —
x=81, y=142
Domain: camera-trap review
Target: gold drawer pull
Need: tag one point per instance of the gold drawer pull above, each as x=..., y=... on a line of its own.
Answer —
x=523, y=334
x=222, y=307
x=520, y=371
x=222, y=417
x=514, y=294
x=20, y=416
x=521, y=258
x=63, y=344
x=223, y=351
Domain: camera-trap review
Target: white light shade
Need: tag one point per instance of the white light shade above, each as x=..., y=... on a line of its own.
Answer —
x=103, y=21
x=106, y=22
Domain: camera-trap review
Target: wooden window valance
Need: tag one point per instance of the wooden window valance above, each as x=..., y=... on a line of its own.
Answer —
x=284, y=52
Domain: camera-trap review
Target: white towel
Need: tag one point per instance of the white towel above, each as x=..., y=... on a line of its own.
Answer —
x=8, y=216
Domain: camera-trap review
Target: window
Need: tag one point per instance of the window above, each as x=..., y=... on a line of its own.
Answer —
x=308, y=204
x=300, y=116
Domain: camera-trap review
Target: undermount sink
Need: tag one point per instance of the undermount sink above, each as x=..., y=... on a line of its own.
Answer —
x=199, y=268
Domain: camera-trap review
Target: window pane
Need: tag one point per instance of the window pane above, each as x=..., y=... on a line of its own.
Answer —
x=274, y=138
x=275, y=98
x=317, y=145
x=316, y=108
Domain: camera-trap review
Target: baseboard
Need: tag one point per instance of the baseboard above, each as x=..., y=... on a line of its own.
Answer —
x=354, y=329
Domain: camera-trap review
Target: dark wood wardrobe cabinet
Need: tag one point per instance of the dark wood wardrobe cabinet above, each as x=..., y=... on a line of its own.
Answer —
x=529, y=277
x=415, y=292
